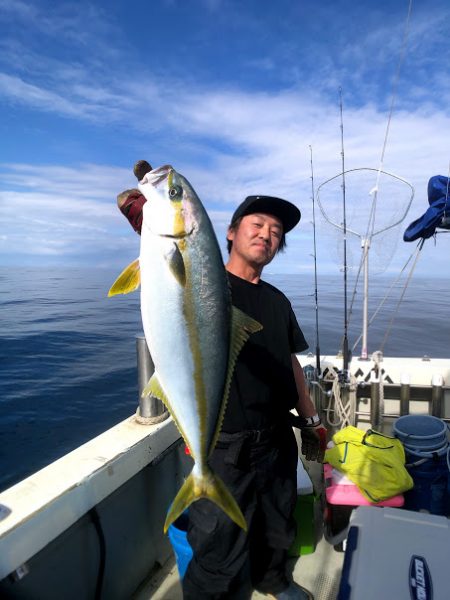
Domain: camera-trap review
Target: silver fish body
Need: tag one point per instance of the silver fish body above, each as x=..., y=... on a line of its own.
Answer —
x=193, y=333
x=186, y=308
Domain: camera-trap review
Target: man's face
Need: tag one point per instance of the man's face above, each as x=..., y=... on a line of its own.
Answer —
x=257, y=238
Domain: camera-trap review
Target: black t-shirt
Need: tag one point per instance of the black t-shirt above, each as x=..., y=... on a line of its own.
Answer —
x=263, y=386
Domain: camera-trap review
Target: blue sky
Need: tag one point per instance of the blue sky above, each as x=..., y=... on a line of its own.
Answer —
x=233, y=94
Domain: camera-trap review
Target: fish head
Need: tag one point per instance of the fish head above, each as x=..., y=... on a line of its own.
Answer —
x=171, y=203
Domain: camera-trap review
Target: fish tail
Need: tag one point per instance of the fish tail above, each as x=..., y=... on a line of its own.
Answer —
x=208, y=486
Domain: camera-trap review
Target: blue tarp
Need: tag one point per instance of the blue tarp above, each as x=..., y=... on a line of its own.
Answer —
x=439, y=201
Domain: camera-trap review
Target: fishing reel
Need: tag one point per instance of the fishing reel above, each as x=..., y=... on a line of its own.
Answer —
x=310, y=373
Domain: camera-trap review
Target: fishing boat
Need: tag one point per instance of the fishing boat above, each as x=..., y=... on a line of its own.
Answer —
x=90, y=525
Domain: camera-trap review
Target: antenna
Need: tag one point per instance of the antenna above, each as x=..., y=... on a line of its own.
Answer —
x=318, y=369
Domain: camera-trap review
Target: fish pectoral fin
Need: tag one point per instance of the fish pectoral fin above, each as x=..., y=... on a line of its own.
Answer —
x=175, y=261
x=211, y=487
x=128, y=281
x=153, y=388
x=242, y=326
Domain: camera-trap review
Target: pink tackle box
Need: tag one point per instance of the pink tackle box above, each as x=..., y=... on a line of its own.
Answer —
x=340, y=490
x=342, y=496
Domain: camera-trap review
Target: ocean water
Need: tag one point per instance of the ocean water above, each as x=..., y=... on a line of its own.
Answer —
x=68, y=353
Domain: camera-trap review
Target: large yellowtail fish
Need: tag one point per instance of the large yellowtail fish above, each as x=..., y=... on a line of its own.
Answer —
x=193, y=332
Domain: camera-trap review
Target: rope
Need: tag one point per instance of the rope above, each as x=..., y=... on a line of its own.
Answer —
x=151, y=420
x=377, y=310
x=344, y=413
x=448, y=457
x=374, y=191
x=388, y=331
x=371, y=221
x=444, y=218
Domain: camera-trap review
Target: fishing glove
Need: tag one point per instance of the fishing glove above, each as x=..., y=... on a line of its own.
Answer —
x=130, y=202
x=314, y=442
x=314, y=437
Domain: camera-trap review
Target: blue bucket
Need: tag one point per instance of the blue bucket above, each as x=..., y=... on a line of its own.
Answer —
x=424, y=439
x=181, y=547
x=421, y=432
x=430, y=473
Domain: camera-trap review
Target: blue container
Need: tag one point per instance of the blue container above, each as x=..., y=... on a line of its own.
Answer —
x=181, y=547
x=421, y=432
x=424, y=438
x=431, y=483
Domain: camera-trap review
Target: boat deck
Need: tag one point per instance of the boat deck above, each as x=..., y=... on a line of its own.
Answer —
x=95, y=516
x=319, y=572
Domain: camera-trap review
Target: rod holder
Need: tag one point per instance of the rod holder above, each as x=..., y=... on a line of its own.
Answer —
x=405, y=394
x=150, y=408
x=437, y=395
x=376, y=404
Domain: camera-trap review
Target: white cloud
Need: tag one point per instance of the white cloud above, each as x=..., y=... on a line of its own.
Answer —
x=63, y=214
x=78, y=205
x=92, y=181
x=230, y=139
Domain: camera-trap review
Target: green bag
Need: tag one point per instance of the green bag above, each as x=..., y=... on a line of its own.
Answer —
x=373, y=461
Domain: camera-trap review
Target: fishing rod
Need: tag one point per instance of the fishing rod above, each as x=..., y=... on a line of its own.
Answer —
x=316, y=295
x=345, y=350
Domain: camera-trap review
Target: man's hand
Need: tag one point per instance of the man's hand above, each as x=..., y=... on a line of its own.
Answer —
x=314, y=442
x=130, y=202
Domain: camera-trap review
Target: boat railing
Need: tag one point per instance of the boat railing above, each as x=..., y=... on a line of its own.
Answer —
x=378, y=405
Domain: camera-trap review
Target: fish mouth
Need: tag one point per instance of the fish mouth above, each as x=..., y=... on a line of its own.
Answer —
x=158, y=175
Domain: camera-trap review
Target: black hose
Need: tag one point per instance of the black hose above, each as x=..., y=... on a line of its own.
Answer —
x=102, y=547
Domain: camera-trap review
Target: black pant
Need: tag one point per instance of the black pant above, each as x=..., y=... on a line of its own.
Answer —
x=229, y=563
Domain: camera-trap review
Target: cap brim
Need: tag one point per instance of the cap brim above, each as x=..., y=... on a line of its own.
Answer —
x=287, y=212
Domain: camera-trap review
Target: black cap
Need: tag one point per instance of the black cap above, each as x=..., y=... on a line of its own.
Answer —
x=287, y=212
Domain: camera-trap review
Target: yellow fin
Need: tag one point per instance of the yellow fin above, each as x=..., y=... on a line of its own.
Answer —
x=153, y=388
x=211, y=487
x=242, y=326
x=128, y=281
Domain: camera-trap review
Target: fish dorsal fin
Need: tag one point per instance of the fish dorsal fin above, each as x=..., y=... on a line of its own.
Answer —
x=242, y=326
x=128, y=281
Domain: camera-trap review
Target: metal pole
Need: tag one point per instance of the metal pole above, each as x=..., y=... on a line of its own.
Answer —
x=149, y=407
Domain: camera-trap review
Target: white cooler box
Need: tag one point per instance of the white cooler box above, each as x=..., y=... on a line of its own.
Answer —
x=396, y=554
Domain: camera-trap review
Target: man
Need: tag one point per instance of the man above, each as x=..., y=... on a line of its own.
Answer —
x=256, y=453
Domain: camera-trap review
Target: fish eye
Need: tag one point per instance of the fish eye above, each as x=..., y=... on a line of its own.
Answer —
x=175, y=191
